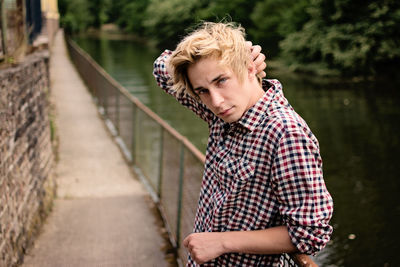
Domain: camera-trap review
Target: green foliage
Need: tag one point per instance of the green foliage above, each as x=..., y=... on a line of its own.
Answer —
x=77, y=17
x=350, y=36
x=132, y=16
x=99, y=10
x=274, y=19
x=62, y=7
x=355, y=37
x=115, y=11
x=167, y=21
x=236, y=10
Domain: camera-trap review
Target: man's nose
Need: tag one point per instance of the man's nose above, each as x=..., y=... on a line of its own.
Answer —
x=216, y=99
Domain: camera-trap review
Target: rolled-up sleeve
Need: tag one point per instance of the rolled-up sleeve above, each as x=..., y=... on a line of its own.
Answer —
x=305, y=202
x=163, y=78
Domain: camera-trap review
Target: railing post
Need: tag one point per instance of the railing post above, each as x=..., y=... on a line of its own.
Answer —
x=117, y=106
x=134, y=124
x=160, y=164
x=105, y=101
x=102, y=96
x=180, y=193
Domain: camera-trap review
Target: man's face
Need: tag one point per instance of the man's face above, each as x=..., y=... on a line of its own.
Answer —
x=220, y=90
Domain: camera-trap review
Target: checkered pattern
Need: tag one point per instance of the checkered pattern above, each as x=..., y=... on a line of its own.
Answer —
x=262, y=171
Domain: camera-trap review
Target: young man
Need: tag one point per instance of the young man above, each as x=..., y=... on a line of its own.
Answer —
x=263, y=192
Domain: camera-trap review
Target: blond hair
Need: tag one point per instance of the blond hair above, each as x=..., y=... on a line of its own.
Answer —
x=223, y=41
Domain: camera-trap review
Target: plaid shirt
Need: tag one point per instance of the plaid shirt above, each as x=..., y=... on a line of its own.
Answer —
x=262, y=171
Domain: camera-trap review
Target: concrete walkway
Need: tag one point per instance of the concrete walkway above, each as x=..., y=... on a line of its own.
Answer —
x=102, y=215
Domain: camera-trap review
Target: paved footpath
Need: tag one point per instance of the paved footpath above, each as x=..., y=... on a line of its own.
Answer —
x=102, y=215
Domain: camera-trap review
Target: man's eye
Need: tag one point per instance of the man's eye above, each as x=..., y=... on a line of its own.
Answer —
x=222, y=80
x=202, y=91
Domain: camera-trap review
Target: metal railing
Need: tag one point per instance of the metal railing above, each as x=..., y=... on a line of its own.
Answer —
x=169, y=165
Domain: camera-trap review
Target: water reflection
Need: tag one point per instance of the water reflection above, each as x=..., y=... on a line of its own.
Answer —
x=357, y=126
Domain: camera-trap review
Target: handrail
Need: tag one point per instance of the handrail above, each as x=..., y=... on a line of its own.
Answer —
x=303, y=260
x=139, y=104
x=128, y=118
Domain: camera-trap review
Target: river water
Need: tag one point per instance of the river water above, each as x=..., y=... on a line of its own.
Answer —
x=357, y=125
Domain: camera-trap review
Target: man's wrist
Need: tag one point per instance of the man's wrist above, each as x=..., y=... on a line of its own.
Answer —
x=228, y=242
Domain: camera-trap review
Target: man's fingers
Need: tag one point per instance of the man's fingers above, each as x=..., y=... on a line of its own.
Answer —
x=255, y=51
x=260, y=64
x=261, y=74
x=259, y=59
x=249, y=44
x=186, y=241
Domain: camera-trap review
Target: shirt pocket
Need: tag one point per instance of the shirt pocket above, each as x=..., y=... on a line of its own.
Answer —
x=235, y=179
x=233, y=174
x=242, y=176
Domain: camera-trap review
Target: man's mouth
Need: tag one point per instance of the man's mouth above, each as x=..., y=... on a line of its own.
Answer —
x=225, y=112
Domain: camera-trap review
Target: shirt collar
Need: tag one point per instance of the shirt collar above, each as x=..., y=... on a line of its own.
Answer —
x=253, y=116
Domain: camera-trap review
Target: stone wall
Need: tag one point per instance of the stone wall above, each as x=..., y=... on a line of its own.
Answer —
x=26, y=158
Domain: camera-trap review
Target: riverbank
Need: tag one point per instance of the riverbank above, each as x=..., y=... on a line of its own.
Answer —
x=113, y=32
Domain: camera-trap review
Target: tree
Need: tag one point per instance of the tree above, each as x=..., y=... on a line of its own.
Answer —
x=274, y=19
x=99, y=11
x=132, y=16
x=355, y=37
x=77, y=17
x=166, y=21
x=237, y=10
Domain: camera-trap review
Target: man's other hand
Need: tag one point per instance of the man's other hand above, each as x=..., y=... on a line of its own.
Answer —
x=258, y=58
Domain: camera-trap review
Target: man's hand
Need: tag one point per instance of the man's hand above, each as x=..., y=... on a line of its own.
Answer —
x=204, y=246
x=258, y=58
